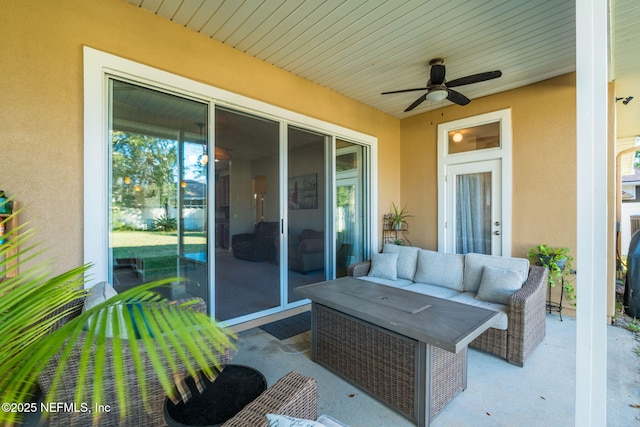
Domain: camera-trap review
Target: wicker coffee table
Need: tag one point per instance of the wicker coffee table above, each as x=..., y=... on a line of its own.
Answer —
x=407, y=350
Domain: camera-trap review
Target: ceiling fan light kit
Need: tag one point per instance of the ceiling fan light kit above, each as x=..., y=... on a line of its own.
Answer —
x=437, y=94
x=439, y=89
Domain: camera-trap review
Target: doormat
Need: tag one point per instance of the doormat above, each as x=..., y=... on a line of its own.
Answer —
x=286, y=328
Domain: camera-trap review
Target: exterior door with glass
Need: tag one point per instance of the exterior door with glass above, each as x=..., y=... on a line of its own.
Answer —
x=474, y=208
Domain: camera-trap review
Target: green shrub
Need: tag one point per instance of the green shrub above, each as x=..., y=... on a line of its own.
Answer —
x=165, y=223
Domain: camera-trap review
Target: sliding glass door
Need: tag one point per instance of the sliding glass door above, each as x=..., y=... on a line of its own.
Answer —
x=350, y=206
x=159, y=199
x=306, y=208
x=247, y=214
x=233, y=206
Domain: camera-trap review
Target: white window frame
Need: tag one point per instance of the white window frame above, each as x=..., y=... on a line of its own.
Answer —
x=98, y=67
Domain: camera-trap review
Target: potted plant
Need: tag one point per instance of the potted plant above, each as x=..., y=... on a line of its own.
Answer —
x=398, y=217
x=558, y=262
x=33, y=301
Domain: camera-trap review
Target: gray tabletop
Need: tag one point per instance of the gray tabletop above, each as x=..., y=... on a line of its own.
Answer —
x=446, y=324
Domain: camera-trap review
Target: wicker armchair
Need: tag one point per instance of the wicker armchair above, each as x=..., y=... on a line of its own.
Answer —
x=294, y=395
x=526, y=327
x=137, y=414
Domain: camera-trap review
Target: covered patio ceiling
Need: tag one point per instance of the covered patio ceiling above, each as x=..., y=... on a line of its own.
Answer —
x=361, y=48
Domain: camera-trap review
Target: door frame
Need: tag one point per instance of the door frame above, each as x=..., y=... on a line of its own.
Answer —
x=502, y=153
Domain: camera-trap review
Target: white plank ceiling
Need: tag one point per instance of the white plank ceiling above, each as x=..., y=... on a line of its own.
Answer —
x=360, y=48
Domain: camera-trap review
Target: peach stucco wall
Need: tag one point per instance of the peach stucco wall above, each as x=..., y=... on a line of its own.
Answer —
x=41, y=118
x=543, y=121
x=543, y=118
x=41, y=91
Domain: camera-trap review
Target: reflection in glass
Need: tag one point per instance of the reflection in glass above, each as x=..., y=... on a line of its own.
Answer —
x=349, y=220
x=306, y=198
x=158, y=189
x=247, y=214
x=474, y=138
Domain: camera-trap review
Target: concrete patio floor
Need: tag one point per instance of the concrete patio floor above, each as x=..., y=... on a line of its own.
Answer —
x=542, y=393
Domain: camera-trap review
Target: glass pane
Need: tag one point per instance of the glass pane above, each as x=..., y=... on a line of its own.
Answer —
x=247, y=214
x=349, y=206
x=473, y=213
x=306, y=205
x=158, y=189
x=474, y=138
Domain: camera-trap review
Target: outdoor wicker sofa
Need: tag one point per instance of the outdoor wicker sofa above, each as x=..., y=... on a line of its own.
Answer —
x=522, y=327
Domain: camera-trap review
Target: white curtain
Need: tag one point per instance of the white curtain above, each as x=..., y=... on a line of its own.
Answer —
x=473, y=213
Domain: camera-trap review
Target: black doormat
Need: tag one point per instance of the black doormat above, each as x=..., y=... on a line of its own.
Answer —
x=286, y=328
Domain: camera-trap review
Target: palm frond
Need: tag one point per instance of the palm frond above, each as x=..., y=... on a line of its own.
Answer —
x=40, y=329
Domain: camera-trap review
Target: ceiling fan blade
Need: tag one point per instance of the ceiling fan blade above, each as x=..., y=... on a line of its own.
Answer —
x=474, y=78
x=457, y=98
x=416, y=103
x=437, y=74
x=404, y=90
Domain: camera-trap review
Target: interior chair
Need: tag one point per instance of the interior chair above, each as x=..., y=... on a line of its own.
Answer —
x=306, y=251
x=257, y=246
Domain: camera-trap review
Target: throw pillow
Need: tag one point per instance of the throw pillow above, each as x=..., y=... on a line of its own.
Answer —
x=407, y=259
x=474, y=267
x=286, y=421
x=99, y=293
x=384, y=266
x=498, y=284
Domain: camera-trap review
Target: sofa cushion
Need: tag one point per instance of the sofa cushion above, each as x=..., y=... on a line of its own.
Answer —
x=431, y=290
x=437, y=268
x=398, y=283
x=384, y=266
x=97, y=294
x=498, y=284
x=474, y=267
x=501, y=322
x=407, y=259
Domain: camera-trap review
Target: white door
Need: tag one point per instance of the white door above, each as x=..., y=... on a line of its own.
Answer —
x=473, y=204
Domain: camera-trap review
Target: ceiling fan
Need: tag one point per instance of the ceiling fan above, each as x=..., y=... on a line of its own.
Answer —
x=438, y=88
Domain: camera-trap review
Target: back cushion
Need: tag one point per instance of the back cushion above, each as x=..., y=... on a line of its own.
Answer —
x=474, y=264
x=407, y=259
x=437, y=268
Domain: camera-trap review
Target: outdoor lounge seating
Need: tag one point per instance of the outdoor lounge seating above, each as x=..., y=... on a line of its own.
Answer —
x=506, y=285
x=294, y=395
x=137, y=414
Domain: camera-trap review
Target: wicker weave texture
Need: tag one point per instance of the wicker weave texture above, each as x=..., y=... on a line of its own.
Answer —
x=447, y=377
x=381, y=363
x=138, y=413
x=295, y=395
x=384, y=363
